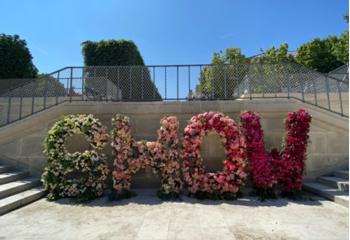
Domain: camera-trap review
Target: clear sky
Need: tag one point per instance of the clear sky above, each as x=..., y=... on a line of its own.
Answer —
x=167, y=32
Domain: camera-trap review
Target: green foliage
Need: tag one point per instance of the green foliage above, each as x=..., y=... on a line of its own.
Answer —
x=324, y=55
x=15, y=58
x=111, y=53
x=134, y=82
x=340, y=48
x=274, y=55
x=219, y=81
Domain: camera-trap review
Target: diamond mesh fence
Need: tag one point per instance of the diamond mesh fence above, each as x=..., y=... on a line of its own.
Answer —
x=199, y=82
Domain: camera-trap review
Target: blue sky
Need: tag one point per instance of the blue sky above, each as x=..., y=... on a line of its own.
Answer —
x=167, y=32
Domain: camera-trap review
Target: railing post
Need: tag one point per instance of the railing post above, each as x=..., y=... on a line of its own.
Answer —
x=9, y=107
x=212, y=83
x=288, y=87
x=189, y=80
x=58, y=78
x=130, y=85
x=45, y=92
x=250, y=88
x=82, y=83
x=20, y=103
x=35, y=84
x=177, y=83
x=142, y=84
x=106, y=83
x=118, y=84
x=315, y=92
x=71, y=84
x=154, y=83
x=302, y=90
x=225, y=79
x=165, y=80
x=340, y=99
x=327, y=89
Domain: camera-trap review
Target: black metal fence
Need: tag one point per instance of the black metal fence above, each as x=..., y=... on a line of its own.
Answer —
x=196, y=82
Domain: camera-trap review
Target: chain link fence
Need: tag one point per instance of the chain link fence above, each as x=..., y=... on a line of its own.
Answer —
x=197, y=82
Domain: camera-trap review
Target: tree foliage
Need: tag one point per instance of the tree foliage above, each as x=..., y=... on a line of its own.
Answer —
x=134, y=82
x=326, y=54
x=15, y=58
x=274, y=55
x=219, y=80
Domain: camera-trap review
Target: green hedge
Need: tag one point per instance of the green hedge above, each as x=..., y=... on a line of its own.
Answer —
x=131, y=81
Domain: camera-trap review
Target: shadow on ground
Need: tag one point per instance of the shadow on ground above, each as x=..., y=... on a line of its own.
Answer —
x=149, y=197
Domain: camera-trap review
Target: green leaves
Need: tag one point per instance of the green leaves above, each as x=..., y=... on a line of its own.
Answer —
x=326, y=54
x=15, y=58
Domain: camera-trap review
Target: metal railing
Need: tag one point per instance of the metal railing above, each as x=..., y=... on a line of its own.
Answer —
x=196, y=82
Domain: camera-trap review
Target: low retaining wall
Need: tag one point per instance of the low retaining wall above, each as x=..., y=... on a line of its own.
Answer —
x=21, y=142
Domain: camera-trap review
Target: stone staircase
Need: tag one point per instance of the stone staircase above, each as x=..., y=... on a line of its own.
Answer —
x=17, y=188
x=334, y=187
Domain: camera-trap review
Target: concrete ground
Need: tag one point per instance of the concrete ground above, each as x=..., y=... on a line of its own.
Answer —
x=146, y=217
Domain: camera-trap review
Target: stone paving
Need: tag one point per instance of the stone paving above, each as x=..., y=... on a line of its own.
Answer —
x=146, y=217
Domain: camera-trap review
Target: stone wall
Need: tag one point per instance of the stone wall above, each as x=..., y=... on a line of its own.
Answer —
x=21, y=142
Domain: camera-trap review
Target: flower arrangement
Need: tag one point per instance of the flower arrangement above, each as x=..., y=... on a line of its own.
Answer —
x=225, y=184
x=263, y=165
x=294, y=155
x=130, y=156
x=83, y=175
x=268, y=169
x=79, y=175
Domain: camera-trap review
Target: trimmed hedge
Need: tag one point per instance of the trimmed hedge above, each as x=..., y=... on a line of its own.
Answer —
x=135, y=83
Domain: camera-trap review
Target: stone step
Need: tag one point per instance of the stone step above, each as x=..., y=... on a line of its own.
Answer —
x=4, y=169
x=15, y=187
x=342, y=174
x=20, y=199
x=12, y=176
x=335, y=182
x=327, y=192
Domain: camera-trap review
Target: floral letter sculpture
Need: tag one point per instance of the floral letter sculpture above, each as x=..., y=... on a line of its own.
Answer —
x=130, y=156
x=88, y=170
x=226, y=183
x=269, y=169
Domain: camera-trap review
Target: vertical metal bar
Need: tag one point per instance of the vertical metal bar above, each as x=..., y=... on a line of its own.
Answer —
x=33, y=95
x=45, y=92
x=165, y=80
x=118, y=84
x=340, y=99
x=315, y=92
x=154, y=83
x=130, y=86
x=225, y=80
x=212, y=83
x=177, y=83
x=67, y=82
x=302, y=90
x=106, y=84
x=82, y=83
x=264, y=73
x=327, y=88
x=189, y=79
x=20, y=104
x=250, y=88
x=288, y=87
x=9, y=107
x=142, y=69
x=71, y=84
x=58, y=78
